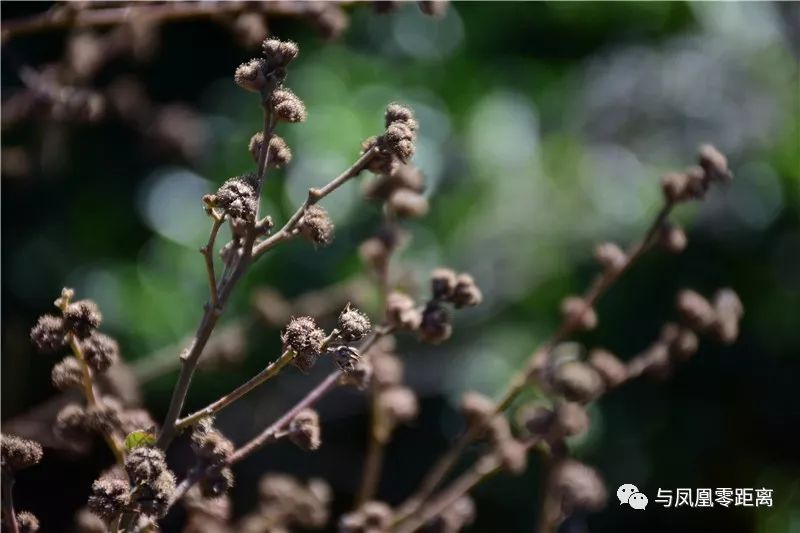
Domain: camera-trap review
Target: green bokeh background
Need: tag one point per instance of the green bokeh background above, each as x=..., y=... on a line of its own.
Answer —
x=544, y=128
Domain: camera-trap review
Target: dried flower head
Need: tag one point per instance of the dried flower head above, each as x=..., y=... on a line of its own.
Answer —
x=19, y=453
x=672, y=238
x=577, y=381
x=398, y=113
x=435, y=326
x=401, y=312
x=405, y=203
x=374, y=252
x=82, y=318
x=371, y=517
x=399, y=139
x=353, y=324
x=316, y=225
x=48, y=335
x=237, y=197
x=100, y=351
x=250, y=76
x=346, y=357
x=209, y=444
x=67, y=373
x=71, y=423
x=443, y=283
x=27, y=522
x=279, y=53
x=729, y=311
x=387, y=369
x=610, y=256
x=695, y=310
x=304, y=430
x=105, y=415
x=578, y=487
x=287, y=106
x=571, y=419
x=153, y=496
x=109, y=497
x=536, y=419
x=304, y=338
x=466, y=292
x=145, y=464
x=576, y=311
x=714, y=163
x=217, y=483
x=610, y=368
x=477, y=408
x=398, y=405
x=358, y=374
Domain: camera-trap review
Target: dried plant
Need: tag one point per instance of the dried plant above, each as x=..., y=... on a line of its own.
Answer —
x=141, y=488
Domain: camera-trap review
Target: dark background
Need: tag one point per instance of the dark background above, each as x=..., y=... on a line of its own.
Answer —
x=544, y=128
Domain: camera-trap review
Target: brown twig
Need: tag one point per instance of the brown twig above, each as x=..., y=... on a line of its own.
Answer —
x=269, y=372
x=208, y=254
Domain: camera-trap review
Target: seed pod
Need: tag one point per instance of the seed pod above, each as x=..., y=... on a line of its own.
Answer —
x=287, y=106
x=611, y=369
x=466, y=292
x=576, y=311
x=316, y=225
x=250, y=76
x=19, y=453
x=610, y=256
x=82, y=318
x=578, y=382
x=109, y=498
x=48, y=335
x=443, y=283
x=304, y=430
x=67, y=373
x=695, y=310
x=353, y=324
x=435, y=327
x=577, y=487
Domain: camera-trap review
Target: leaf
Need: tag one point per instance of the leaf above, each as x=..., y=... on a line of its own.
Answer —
x=139, y=438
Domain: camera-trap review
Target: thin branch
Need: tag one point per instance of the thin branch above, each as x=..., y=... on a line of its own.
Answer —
x=91, y=399
x=596, y=290
x=208, y=254
x=271, y=370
